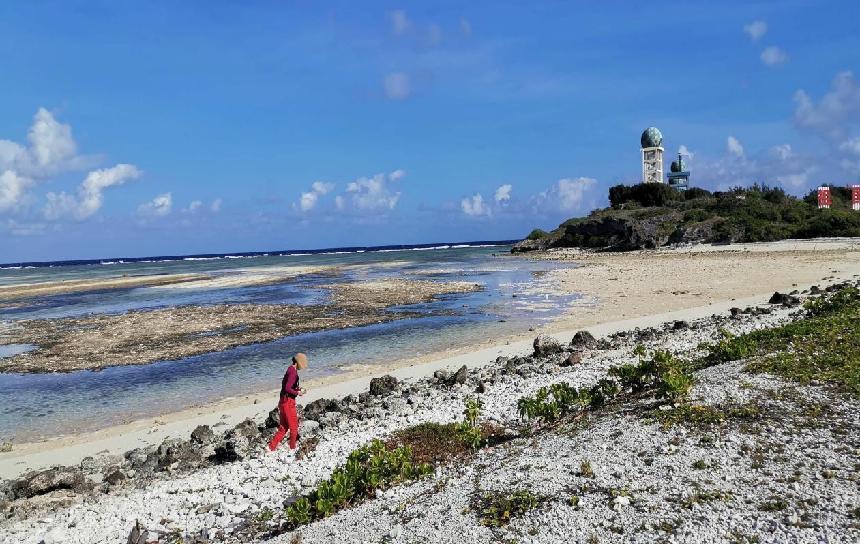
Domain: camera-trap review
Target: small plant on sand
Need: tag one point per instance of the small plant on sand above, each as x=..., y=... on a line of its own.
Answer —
x=497, y=509
x=468, y=429
x=585, y=469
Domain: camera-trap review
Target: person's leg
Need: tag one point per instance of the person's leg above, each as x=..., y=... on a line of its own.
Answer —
x=293, y=422
x=282, y=428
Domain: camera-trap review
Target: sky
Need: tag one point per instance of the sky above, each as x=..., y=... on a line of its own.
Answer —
x=164, y=128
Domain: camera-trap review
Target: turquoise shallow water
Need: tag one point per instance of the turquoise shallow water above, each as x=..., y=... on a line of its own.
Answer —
x=37, y=406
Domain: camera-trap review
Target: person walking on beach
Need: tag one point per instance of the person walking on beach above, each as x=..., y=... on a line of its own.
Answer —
x=287, y=404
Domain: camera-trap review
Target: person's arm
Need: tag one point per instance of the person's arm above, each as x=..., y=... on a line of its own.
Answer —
x=292, y=377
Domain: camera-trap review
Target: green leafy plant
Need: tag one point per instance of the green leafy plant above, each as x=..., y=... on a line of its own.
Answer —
x=498, y=509
x=468, y=429
x=367, y=469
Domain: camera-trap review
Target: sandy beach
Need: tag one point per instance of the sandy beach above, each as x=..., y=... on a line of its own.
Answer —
x=620, y=291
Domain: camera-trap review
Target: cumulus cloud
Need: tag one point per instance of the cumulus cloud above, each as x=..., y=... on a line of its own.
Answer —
x=836, y=112
x=90, y=193
x=396, y=86
x=474, y=206
x=755, y=30
x=50, y=150
x=157, y=207
x=194, y=206
x=309, y=199
x=374, y=194
x=685, y=152
x=734, y=147
x=566, y=195
x=215, y=207
x=773, y=55
x=13, y=188
x=503, y=193
x=400, y=23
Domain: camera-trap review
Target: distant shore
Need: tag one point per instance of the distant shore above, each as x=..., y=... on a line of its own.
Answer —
x=621, y=291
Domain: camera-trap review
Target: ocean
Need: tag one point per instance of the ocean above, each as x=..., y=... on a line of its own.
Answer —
x=516, y=296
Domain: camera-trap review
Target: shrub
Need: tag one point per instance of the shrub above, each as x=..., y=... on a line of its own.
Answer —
x=664, y=373
x=644, y=194
x=367, y=469
x=537, y=234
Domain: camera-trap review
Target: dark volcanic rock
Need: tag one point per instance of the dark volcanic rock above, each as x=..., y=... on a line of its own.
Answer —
x=202, y=435
x=444, y=377
x=239, y=442
x=785, y=300
x=38, y=483
x=680, y=325
x=317, y=408
x=583, y=339
x=180, y=453
x=546, y=345
x=273, y=420
x=573, y=359
x=383, y=386
x=116, y=477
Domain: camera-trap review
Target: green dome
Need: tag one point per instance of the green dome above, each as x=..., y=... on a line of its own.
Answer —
x=651, y=137
x=678, y=165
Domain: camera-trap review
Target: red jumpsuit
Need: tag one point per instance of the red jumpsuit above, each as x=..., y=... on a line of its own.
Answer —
x=287, y=409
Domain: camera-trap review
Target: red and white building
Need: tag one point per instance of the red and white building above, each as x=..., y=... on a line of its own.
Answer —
x=824, y=197
x=855, y=197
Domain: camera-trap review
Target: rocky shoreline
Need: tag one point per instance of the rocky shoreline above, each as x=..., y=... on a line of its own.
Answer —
x=140, y=337
x=788, y=473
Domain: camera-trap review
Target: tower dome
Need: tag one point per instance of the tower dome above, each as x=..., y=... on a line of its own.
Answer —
x=651, y=137
x=678, y=165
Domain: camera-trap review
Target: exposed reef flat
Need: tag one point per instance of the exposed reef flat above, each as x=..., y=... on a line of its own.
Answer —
x=48, y=288
x=140, y=337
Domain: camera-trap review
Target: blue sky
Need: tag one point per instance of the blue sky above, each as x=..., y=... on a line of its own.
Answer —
x=185, y=127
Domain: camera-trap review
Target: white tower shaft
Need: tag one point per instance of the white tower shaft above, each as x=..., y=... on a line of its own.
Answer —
x=652, y=165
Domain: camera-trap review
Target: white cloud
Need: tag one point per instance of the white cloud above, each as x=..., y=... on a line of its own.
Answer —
x=339, y=202
x=474, y=206
x=571, y=192
x=566, y=195
x=781, y=152
x=400, y=23
x=90, y=194
x=734, y=147
x=194, y=206
x=755, y=30
x=25, y=229
x=685, y=152
x=50, y=150
x=215, y=207
x=397, y=86
x=465, y=27
x=157, y=207
x=374, y=194
x=773, y=55
x=503, y=193
x=13, y=188
x=321, y=187
x=835, y=113
x=308, y=200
